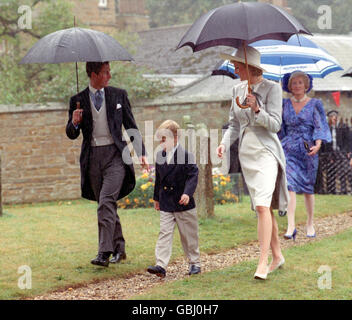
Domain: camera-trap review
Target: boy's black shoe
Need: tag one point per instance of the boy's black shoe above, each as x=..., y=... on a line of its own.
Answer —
x=194, y=269
x=157, y=270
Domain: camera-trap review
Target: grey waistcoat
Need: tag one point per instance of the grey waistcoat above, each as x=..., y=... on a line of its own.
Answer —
x=101, y=135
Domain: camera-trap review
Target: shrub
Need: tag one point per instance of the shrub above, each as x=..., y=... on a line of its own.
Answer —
x=142, y=195
x=223, y=187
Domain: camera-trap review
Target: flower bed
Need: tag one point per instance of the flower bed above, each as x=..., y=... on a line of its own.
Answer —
x=142, y=195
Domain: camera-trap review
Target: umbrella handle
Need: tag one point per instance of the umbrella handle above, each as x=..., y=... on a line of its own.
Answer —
x=78, y=105
x=238, y=100
x=248, y=78
x=240, y=105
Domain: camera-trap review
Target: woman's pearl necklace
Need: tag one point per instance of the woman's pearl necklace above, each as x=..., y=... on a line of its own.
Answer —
x=299, y=100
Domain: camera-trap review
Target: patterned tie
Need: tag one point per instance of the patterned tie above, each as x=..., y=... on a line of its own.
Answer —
x=98, y=99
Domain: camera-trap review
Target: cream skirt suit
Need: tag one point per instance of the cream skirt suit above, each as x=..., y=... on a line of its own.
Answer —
x=261, y=155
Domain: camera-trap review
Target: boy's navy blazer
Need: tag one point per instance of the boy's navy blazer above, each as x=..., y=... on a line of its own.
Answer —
x=173, y=180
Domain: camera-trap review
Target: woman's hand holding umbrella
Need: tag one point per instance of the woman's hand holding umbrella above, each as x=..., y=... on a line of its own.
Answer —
x=251, y=101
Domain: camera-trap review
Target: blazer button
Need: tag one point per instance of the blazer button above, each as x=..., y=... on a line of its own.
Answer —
x=165, y=188
x=171, y=188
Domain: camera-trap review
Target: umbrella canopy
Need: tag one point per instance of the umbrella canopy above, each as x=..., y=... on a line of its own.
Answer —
x=348, y=73
x=238, y=25
x=233, y=24
x=279, y=58
x=76, y=45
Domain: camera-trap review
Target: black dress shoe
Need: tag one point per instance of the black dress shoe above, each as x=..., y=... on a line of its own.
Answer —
x=157, y=270
x=117, y=257
x=102, y=259
x=194, y=269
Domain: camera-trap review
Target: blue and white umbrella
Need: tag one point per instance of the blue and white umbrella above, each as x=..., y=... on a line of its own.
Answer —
x=279, y=58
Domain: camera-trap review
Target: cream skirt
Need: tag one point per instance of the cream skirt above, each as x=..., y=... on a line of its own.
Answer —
x=260, y=169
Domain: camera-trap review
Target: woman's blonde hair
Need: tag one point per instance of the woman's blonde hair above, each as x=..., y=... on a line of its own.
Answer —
x=297, y=74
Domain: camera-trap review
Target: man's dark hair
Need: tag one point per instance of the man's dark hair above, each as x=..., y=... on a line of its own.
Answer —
x=94, y=67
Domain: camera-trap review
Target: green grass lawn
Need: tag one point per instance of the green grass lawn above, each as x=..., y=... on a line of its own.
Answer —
x=317, y=271
x=57, y=240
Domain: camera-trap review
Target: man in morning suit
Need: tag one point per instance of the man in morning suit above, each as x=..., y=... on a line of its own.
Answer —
x=107, y=172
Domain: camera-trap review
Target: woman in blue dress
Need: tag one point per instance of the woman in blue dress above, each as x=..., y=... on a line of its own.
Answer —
x=304, y=128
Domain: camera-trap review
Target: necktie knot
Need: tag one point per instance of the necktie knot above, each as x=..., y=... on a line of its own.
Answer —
x=98, y=99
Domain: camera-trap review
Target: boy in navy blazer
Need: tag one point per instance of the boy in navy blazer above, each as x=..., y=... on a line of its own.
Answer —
x=176, y=178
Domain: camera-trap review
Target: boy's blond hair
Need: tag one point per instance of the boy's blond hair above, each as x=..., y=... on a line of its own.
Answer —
x=168, y=126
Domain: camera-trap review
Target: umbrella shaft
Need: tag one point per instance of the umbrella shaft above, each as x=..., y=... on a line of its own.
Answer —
x=247, y=69
x=77, y=77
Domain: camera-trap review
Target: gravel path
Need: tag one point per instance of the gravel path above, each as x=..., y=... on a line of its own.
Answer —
x=125, y=288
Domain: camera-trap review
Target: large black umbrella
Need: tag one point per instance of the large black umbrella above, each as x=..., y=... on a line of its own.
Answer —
x=239, y=24
x=76, y=45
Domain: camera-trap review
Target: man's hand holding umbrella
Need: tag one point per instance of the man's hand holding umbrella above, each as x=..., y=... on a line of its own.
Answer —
x=77, y=116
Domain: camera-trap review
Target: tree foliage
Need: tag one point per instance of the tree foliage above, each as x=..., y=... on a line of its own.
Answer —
x=308, y=13
x=38, y=83
x=172, y=12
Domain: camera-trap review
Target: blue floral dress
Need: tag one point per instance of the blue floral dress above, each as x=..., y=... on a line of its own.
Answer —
x=308, y=125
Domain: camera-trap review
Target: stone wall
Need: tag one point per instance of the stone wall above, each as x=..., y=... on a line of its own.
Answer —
x=132, y=7
x=128, y=15
x=39, y=162
x=90, y=13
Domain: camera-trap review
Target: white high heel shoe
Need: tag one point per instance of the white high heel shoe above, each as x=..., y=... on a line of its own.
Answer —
x=279, y=265
x=261, y=276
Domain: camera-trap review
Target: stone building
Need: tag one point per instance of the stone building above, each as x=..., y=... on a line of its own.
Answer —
x=106, y=15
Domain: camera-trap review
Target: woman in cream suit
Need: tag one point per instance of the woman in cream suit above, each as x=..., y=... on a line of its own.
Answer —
x=261, y=155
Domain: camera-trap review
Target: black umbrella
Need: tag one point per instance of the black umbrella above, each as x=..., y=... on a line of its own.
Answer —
x=238, y=25
x=221, y=70
x=76, y=45
x=348, y=73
